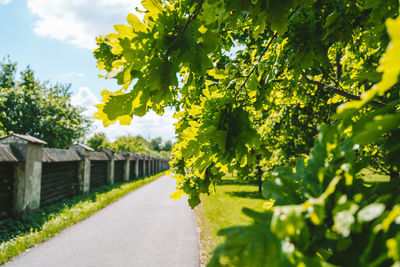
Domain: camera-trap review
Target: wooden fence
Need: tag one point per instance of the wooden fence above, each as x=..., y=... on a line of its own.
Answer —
x=32, y=176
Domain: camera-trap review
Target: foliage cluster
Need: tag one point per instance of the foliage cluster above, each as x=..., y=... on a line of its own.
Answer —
x=157, y=144
x=38, y=109
x=19, y=234
x=154, y=147
x=250, y=82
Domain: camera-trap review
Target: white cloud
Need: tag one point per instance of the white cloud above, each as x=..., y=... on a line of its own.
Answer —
x=79, y=21
x=69, y=75
x=5, y=2
x=85, y=98
x=149, y=126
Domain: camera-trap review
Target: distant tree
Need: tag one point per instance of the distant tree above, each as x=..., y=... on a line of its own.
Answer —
x=167, y=146
x=38, y=109
x=156, y=143
x=131, y=143
x=164, y=154
x=7, y=74
x=97, y=141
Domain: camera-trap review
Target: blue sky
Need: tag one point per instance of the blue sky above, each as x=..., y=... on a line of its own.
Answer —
x=55, y=38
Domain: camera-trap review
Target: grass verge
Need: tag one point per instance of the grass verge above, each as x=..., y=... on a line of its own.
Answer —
x=223, y=209
x=17, y=235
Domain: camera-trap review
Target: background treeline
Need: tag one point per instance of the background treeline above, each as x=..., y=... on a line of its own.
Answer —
x=44, y=111
x=155, y=147
x=39, y=109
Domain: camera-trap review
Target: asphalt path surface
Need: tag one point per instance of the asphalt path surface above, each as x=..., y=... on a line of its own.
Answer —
x=144, y=228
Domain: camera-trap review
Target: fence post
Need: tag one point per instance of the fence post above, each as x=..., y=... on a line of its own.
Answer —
x=144, y=165
x=148, y=165
x=136, y=166
x=28, y=174
x=84, y=166
x=110, y=165
x=127, y=167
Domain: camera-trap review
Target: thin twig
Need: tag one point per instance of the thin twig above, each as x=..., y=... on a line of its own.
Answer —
x=333, y=80
x=256, y=65
x=240, y=28
x=191, y=17
x=261, y=56
x=343, y=93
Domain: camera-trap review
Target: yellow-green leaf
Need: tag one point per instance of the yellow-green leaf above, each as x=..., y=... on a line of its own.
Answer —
x=136, y=24
x=218, y=74
x=176, y=195
x=123, y=30
x=153, y=7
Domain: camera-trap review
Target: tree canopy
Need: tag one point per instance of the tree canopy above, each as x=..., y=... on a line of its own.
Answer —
x=157, y=144
x=132, y=144
x=261, y=84
x=30, y=107
x=97, y=141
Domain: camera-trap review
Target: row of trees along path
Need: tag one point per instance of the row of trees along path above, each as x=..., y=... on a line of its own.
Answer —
x=302, y=92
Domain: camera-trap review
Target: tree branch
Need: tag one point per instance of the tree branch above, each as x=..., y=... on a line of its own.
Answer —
x=262, y=54
x=190, y=18
x=343, y=93
x=338, y=64
x=256, y=65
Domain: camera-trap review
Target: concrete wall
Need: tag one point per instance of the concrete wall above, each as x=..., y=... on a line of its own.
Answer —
x=84, y=173
x=110, y=171
x=127, y=170
x=27, y=179
x=28, y=171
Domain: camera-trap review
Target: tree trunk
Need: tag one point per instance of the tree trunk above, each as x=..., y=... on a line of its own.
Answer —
x=394, y=175
x=259, y=176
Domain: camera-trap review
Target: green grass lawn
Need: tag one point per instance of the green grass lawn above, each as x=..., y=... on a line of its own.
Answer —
x=223, y=209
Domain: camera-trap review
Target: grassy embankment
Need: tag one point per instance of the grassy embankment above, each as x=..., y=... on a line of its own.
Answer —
x=19, y=234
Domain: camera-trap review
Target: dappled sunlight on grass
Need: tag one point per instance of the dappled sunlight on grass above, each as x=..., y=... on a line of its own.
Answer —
x=223, y=209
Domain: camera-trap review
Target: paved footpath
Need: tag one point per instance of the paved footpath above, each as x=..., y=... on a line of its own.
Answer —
x=145, y=228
